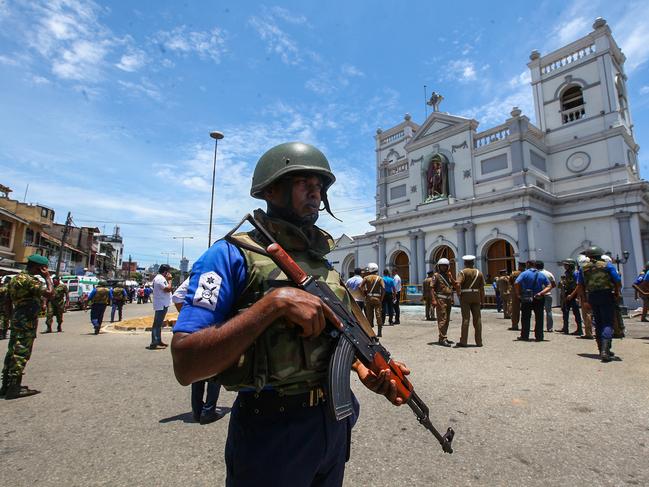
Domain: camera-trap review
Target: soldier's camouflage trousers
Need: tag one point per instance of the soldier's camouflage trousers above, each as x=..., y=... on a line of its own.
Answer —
x=53, y=311
x=4, y=324
x=18, y=352
x=443, y=316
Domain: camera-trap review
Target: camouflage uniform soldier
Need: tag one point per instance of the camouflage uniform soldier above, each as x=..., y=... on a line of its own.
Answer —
x=5, y=307
x=56, y=307
x=618, y=320
x=586, y=312
x=470, y=287
x=568, y=297
x=373, y=288
x=505, y=289
x=442, y=298
x=515, y=301
x=602, y=282
x=26, y=291
x=427, y=289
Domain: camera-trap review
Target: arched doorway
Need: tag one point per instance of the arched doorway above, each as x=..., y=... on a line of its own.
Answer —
x=401, y=263
x=443, y=251
x=347, y=269
x=499, y=255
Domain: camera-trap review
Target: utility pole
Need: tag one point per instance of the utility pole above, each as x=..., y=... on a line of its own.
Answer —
x=68, y=223
x=129, y=267
x=168, y=254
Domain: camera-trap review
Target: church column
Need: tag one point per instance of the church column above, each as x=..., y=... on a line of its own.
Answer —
x=523, y=242
x=451, y=179
x=470, y=238
x=461, y=246
x=629, y=268
x=645, y=246
x=421, y=243
x=381, y=253
x=413, y=257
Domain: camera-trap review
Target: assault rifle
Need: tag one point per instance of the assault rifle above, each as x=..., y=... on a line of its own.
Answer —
x=353, y=340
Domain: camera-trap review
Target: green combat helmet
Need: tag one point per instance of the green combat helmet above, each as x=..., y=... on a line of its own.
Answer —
x=288, y=158
x=570, y=262
x=593, y=252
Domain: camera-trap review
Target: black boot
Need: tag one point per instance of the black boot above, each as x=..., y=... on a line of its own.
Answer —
x=16, y=391
x=3, y=389
x=59, y=329
x=380, y=330
x=604, y=349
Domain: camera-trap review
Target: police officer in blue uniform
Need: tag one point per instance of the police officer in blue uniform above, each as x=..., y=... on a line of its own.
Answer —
x=262, y=338
x=601, y=281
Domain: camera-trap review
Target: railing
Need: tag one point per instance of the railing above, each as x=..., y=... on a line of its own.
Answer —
x=535, y=132
x=573, y=114
x=489, y=136
x=397, y=168
x=570, y=58
x=393, y=137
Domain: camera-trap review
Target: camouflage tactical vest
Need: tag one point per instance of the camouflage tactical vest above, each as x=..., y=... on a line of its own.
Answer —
x=25, y=292
x=118, y=294
x=596, y=277
x=101, y=296
x=59, y=295
x=280, y=358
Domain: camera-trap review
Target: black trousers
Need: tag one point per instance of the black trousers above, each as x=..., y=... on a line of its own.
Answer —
x=397, y=311
x=535, y=306
x=388, y=308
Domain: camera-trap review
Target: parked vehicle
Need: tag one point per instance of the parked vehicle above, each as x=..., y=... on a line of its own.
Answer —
x=79, y=288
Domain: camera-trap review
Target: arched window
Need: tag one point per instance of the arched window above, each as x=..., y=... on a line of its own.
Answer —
x=572, y=104
x=446, y=252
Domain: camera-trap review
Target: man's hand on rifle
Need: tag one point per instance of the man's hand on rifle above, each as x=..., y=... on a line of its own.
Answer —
x=382, y=383
x=304, y=310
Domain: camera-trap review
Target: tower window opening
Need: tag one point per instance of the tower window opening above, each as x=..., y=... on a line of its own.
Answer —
x=572, y=104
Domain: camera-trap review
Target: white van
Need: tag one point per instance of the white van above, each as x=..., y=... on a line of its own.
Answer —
x=79, y=288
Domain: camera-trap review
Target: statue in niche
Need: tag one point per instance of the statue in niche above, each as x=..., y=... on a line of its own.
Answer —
x=437, y=179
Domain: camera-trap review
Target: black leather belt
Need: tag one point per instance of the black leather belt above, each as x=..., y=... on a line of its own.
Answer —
x=272, y=402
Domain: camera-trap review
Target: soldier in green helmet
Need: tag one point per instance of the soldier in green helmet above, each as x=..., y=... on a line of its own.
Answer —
x=244, y=324
x=568, y=296
x=27, y=291
x=601, y=281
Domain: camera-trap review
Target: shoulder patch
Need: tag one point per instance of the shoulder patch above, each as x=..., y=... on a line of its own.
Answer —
x=207, y=291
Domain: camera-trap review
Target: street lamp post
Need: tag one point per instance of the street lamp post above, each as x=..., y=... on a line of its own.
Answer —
x=216, y=136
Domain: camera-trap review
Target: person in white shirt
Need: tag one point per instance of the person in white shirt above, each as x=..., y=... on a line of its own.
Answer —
x=354, y=286
x=397, y=291
x=161, y=302
x=549, y=324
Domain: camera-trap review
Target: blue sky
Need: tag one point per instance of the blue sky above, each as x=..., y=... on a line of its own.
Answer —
x=106, y=108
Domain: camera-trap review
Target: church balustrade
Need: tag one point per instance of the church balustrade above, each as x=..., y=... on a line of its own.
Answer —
x=394, y=137
x=573, y=114
x=490, y=136
x=397, y=168
x=569, y=59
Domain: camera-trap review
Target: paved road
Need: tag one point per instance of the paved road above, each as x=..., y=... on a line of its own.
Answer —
x=532, y=414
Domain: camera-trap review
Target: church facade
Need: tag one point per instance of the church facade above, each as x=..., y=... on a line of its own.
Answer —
x=517, y=190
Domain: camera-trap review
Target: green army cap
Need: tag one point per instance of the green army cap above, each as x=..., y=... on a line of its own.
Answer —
x=284, y=159
x=38, y=259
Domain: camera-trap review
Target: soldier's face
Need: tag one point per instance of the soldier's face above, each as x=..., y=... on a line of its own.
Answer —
x=443, y=268
x=306, y=195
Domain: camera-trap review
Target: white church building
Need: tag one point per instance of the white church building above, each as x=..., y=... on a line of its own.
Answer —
x=517, y=190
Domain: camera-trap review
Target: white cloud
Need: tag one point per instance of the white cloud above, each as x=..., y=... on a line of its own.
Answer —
x=288, y=16
x=81, y=61
x=632, y=34
x=462, y=70
x=277, y=41
x=40, y=80
x=523, y=79
x=207, y=44
x=571, y=30
x=351, y=71
x=144, y=87
x=644, y=90
x=498, y=110
x=8, y=61
x=322, y=85
x=133, y=60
